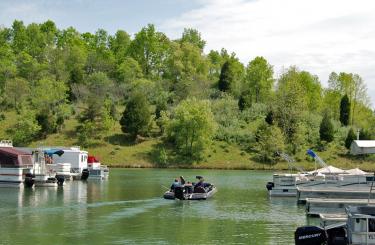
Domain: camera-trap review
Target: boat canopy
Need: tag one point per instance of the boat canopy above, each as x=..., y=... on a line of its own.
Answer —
x=356, y=171
x=11, y=157
x=51, y=152
x=328, y=170
x=92, y=159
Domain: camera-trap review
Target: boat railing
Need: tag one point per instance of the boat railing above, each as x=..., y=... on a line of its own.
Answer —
x=6, y=143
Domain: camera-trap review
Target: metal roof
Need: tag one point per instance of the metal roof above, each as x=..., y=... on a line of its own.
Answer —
x=364, y=143
x=13, y=151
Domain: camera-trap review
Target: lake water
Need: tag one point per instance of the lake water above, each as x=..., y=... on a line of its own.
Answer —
x=128, y=209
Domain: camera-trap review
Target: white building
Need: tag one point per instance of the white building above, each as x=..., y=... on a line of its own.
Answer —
x=360, y=147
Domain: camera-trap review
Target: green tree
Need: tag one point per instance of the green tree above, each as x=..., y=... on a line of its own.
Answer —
x=226, y=79
x=150, y=48
x=192, y=127
x=349, y=138
x=345, y=110
x=25, y=130
x=259, y=79
x=194, y=37
x=136, y=116
x=128, y=71
x=326, y=130
x=119, y=45
x=17, y=91
x=270, y=142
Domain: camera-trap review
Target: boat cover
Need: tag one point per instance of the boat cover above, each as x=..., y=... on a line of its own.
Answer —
x=50, y=152
x=12, y=157
x=356, y=171
x=328, y=170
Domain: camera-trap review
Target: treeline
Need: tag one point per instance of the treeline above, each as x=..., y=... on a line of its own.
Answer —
x=170, y=89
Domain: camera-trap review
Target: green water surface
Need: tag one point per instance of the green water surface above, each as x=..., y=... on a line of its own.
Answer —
x=128, y=209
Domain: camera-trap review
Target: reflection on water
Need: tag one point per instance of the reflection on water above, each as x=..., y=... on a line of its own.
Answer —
x=128, y=209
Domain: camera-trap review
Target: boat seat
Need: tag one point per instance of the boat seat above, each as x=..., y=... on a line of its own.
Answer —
x=199, y=189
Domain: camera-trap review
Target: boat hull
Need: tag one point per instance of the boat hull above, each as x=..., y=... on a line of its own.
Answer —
x=13, y=177
x=193, y=196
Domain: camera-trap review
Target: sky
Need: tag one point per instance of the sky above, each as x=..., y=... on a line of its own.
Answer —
x=319, y=36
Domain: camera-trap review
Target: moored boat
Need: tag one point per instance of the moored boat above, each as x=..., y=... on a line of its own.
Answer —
x=15, y=165
x=96, y=169
x=359, y=228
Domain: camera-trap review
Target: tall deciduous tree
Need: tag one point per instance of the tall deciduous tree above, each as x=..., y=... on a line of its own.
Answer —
x=259, y=79
x=345, y=110
x=17, y=90
x=194, y=37
x=270, y=142
x=150, y=48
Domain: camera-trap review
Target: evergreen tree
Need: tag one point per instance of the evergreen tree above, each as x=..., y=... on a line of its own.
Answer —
x=349, y=139
x=226, y=78
x=326, y=129
x=345, y=110
x=136, y=116
x=269, y=118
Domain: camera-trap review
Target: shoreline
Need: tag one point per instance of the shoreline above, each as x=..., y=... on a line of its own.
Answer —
x=206, y=167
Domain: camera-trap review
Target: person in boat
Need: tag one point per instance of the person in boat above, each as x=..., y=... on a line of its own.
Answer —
x=175, y=184
x=188, y=187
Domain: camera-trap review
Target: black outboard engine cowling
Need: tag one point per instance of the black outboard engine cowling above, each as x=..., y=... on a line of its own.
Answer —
x=29, y=180
x=270, y=185
x=310, y=235
x=85, y=174
x=179, y=193
x=60, y=180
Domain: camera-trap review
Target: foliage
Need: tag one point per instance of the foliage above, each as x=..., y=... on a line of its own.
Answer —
x=345, y=110
x=259, y=80
x=192, y=127
x=17, y=91
x=25, y=130
x=326, y=130
x=54, y=72
x=270, y=142
x=136, y=116
x=349, y=138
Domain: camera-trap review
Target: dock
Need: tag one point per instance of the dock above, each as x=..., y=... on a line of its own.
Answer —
x=317, y=206
x=358, y=191
x=330, y=219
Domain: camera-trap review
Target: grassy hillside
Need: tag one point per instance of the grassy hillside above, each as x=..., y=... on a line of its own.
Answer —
x=114, y=150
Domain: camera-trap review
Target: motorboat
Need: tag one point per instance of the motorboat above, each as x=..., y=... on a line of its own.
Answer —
x=359, y=228
x=290, y=184
x=191, y=191
x=42, y=175
x=96, y=169
x=15, y=166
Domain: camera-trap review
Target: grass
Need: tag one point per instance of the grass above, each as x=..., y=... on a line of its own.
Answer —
x=116, y=150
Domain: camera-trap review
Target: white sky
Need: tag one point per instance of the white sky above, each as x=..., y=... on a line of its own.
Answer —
x=319, y=36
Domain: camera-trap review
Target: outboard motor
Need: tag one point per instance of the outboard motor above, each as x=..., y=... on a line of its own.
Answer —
x=60, y=180
x=310, y=235
x=270, y=185
x=179, y=193
x=85, y=174
x=29, y=180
